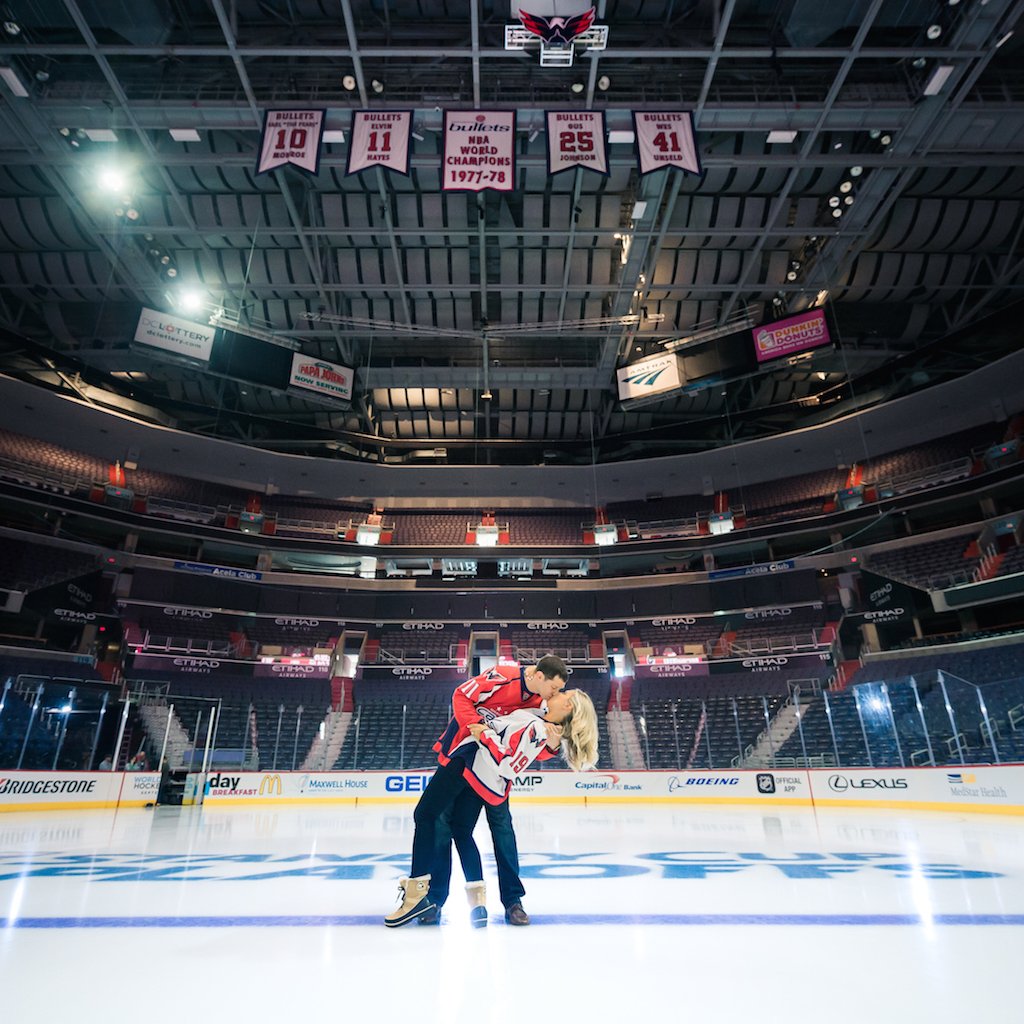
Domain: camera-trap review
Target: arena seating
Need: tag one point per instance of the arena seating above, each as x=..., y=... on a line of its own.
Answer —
x=931, y=565
x=31, y=566
x=395, y=725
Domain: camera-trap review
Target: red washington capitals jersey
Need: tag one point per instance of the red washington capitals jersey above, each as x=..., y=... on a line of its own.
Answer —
x=498, y=691
x=506, y=748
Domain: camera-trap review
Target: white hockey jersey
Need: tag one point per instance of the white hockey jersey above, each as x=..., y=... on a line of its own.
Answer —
x=506, y=748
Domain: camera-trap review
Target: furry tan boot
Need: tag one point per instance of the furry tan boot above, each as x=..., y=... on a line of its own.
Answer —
x=476, y=893
x=414, y=901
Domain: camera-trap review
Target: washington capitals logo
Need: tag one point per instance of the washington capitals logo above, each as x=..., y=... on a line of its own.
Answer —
x=557, y=31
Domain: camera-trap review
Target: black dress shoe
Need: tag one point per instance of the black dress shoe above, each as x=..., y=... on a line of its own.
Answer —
x=516, y=915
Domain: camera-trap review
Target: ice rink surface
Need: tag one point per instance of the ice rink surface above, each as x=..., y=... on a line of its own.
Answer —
x=643, y=912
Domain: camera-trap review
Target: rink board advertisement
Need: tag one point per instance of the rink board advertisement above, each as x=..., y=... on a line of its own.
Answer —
x=987, y=789
x=138, y=789
x=35, y=791
x=227, y=788
x=973, y=787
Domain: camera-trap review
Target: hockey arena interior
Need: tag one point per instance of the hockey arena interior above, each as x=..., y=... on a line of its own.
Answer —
x=362, y=360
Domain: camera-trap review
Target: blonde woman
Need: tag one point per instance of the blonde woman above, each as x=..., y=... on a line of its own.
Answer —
x=481, y=769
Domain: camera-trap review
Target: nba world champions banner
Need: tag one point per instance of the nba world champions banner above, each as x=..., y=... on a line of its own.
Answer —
x=291, y=137
x=380, y=138
x=479, y=150
x=665, y=139
x=577, y=138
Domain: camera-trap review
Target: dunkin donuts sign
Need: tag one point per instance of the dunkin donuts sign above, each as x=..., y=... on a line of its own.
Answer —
x=794, y=334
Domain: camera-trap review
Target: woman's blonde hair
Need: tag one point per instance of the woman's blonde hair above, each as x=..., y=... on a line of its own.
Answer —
x=579, y=735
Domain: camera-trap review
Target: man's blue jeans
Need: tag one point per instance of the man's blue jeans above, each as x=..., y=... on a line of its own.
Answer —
x=506, y=856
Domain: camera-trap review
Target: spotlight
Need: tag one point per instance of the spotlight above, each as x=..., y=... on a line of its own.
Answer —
x=874, y=133
x=111, y=180
x=848, y=200
x=846, y=186
x=171, y=272
x=12, y=28
x=165, y=260
x=577, y=87
x=837, y=212
x=791, y=275
x=131, y=213
x=886, y=140
x=377, y=85
x=934, y=31
x=794, y=265
x=856, y=172
x=190, y=300
x=833, y=201
x=603, y=83
x=919, y=63
x=349, y=82
x=837, y=145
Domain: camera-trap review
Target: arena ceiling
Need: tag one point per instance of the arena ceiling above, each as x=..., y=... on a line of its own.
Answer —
x=919, y=275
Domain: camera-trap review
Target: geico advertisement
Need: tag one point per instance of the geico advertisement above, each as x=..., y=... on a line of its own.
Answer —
x=58, y=789
x=965, y=786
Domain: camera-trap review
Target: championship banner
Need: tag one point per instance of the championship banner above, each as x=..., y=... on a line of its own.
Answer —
x=666, y=140
x=291, y=137
x=379, y=138
x=173, y=334
x=794, y=334
x=479, y=150
x=577, y=139
x=327, y=379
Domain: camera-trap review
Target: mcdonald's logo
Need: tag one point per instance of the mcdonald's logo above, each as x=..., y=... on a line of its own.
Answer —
x=268, y=785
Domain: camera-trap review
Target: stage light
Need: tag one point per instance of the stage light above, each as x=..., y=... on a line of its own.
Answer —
x=886, y=140
x=848, y=200
x=349, y=82
x=377, y=85
x=190, y=300
x=919, y=63
x=837, y=212
x=856, y=172
x=934, y=31
x=846, y=186
x=791, y=275
x=603, y=83
x=111, y=179
x=833, y=201
x=577, y=87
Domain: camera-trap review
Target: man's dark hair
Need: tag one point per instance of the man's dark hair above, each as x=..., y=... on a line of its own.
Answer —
x=551, y=665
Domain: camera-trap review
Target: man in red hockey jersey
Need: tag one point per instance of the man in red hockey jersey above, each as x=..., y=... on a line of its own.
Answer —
x=497, y=691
